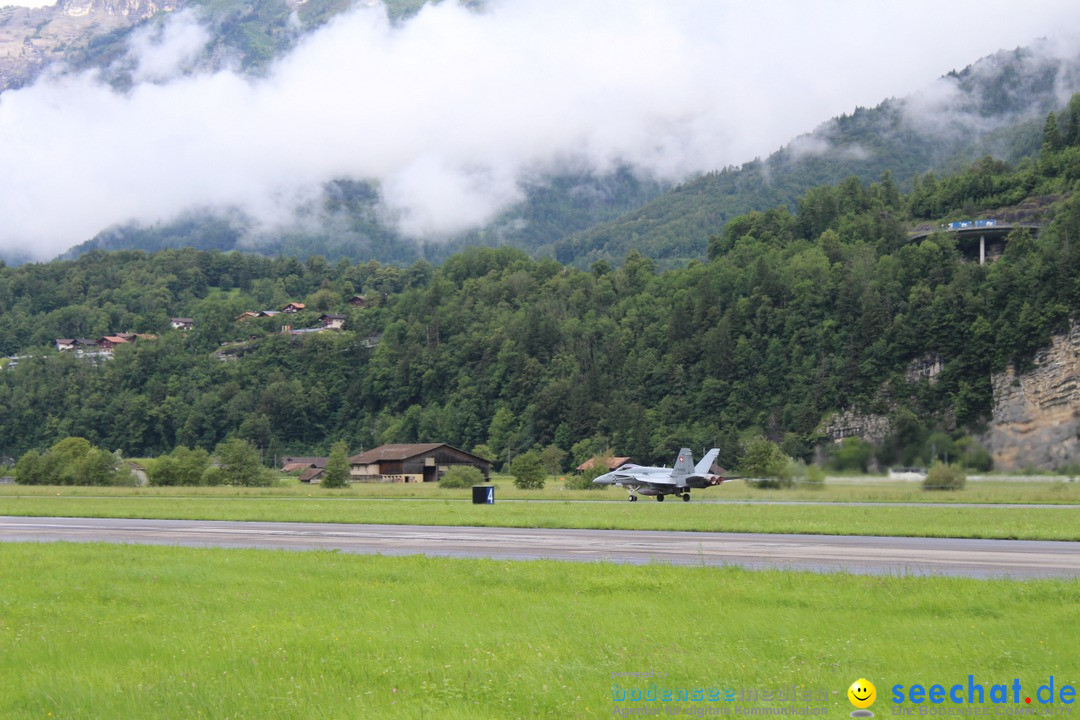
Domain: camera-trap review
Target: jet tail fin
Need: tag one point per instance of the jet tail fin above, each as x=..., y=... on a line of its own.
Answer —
x=684, y=465
x=705, y=466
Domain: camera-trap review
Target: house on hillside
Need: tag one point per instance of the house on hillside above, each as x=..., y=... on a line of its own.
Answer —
x=419, y=462
x=332, y=322
x=109, y=342
x=247, y=314
x=293, y=307
x=182, y=323
x=65, y=344
x=358, y=301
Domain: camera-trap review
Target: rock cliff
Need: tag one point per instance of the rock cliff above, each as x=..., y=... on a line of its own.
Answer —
x=32, y=38
x=853, y=423
x=1036, y=419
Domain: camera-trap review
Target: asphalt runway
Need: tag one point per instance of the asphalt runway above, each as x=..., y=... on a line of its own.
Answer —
x=821, y=553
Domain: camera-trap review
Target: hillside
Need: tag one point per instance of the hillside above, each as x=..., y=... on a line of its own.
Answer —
x=794, y=319
x=578, y=216
x=994, y=107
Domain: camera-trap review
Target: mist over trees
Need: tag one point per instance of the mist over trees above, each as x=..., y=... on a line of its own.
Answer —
x=793, y=316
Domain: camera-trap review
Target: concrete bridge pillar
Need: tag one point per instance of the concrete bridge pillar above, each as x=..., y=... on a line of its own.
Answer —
x=982, y=249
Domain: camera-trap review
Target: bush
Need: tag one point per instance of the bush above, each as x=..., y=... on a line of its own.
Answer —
x=183, y=466
x=528, y=471
x=72, y=461
x=461, y=476
x=852, y=454
x=766, y=465
x=240, y=465
x=945, y=477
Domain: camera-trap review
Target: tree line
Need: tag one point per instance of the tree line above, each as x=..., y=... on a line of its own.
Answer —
x=792, y=316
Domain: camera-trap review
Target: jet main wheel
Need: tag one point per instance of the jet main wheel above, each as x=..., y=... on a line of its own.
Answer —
x=633, y=498
x=660, y=497
x=686, y=497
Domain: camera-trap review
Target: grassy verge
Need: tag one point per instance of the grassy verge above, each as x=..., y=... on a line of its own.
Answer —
x=929, y=521
x=127, y=631
x=836, y=489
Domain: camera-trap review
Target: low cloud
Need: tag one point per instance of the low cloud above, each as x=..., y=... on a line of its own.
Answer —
x=450, y=112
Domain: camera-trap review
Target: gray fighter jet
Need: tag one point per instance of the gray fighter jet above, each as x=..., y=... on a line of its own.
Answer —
x=658, y=481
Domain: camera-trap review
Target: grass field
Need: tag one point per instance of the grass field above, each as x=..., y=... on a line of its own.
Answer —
x=98, y=631
x=379, y=504
x=837, y=489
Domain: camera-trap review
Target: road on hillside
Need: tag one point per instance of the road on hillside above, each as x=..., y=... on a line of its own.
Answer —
x=821, y=553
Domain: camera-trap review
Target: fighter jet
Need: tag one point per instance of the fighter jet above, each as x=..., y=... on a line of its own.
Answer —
x=658, y=481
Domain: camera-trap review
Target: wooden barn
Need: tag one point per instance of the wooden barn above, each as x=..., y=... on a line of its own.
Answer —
x=421, y=462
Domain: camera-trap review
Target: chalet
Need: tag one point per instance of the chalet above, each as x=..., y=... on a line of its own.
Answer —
x=332, y=322
x=268, y=313
x=182, y=323
x=107, y=343
x=65, y=344
x=247, y=314
x=612, y=463
x=421, y=462
x=312, y=475
x=293, y=307
x=358, y=301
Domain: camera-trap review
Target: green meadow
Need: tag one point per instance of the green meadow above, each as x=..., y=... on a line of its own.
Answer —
x=1059, y=490
x=102, y=631
x=354, y=505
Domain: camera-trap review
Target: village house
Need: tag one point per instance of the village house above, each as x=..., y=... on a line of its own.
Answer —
x=109, y=342
x=182, y=323
x=419, y=462
x=293, y=307
x=332, y=322
x=65, y=344
x=358, y=301
x=247, y=314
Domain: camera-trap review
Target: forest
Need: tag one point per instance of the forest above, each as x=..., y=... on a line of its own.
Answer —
x=791, y=317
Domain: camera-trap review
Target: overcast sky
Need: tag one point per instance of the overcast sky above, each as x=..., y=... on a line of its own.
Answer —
x=451, y=110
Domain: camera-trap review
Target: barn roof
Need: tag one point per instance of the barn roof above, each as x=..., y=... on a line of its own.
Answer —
x=389, y=453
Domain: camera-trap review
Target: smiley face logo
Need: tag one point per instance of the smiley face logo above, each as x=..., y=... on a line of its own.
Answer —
x=862, y=693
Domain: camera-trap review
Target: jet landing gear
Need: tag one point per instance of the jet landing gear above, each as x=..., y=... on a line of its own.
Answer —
x=685, y=497
x=633, y=498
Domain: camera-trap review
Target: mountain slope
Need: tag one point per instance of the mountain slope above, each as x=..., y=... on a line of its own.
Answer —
x=996, y=106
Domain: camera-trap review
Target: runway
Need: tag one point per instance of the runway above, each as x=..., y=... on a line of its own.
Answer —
x=820, y=553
